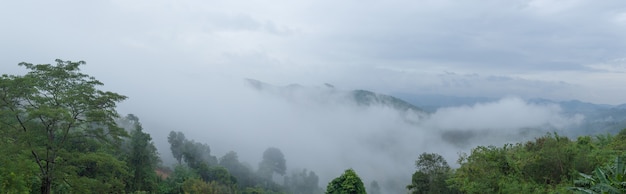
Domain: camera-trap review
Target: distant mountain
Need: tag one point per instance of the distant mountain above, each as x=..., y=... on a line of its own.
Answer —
x=367, y=98
x=598, y=118
x=360, y=97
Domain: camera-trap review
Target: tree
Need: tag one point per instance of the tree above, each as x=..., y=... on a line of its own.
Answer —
x=217, y=174
x=348, y=183
x=174, y=183
x=176, y=140
x=303, y=182
x=273, y=162
x=52, y=104
x=143, y=158
x=374, y=188
x=193, y=153
x=212, y=187
x=196, y=153
x=244, y=175
x=430, y=177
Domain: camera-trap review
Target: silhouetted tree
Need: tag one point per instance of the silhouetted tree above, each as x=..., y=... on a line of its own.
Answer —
x=303, y=182
x=374, y=188
x=273, y=162
x=176, y=140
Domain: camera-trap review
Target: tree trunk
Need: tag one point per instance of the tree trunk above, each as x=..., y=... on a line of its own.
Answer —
x=46, y=185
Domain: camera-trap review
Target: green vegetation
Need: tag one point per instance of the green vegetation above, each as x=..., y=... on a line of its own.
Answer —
x=348, y=183
x=430, y=177
x=56, y=115
x=59, y=133
x=549, y=164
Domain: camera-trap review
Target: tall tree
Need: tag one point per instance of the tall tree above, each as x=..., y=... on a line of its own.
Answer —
x=430, y=177
x=273, y=162
x=176, y=140
x=196, y=154
x=52, y=104
x=348, y=183
x=143, y=158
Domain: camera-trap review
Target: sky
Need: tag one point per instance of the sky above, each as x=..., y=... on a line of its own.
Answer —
x=183, y=64
x=562, y=50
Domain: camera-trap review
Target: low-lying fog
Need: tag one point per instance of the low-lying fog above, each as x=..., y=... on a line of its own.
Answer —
x=323, y=129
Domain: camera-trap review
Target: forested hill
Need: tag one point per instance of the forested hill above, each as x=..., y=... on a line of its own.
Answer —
x=328, y=92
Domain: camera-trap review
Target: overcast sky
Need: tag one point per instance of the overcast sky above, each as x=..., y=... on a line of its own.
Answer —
x=567, y=49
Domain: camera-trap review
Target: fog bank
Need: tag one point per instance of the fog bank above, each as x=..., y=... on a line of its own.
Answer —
x=323, y=129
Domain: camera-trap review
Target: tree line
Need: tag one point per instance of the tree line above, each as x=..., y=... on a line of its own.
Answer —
x=547, y=164
x=59, y=133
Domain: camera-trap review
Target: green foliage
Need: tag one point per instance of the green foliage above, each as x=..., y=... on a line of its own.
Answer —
x=217, y=174
x=174, y=183
x=197, y=186
x=258, y=190
x=18, y=173
x=348, y=183
x=193, y=153
x=547, y=164
x=610, y=179
x=52, y=104
x=142, y=159
x=430, y=177
x=96, y=171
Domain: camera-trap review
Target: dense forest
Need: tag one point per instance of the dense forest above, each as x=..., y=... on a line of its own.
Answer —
x=59, y=133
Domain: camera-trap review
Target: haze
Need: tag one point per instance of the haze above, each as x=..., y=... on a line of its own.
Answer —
x=183, y=65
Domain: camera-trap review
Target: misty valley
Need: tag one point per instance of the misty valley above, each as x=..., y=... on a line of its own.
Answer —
x=61, y=132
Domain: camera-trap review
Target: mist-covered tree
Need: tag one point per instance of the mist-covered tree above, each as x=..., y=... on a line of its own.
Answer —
x=212, y=187
x=196, y=153
x=273, y=162
x=52, y=104
x=303, y=182
x=143, y=158
x=430, y=177
x=374, y=188
x=191, y=152
x=244, y=175
x=177, y=140
x=174, y=183
x=348, y=183
x=217, y=174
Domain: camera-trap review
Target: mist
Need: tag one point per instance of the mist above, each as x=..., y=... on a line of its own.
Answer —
x=321, y=128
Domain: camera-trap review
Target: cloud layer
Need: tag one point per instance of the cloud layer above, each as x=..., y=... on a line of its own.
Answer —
x=569, y=47
x=324, y=130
